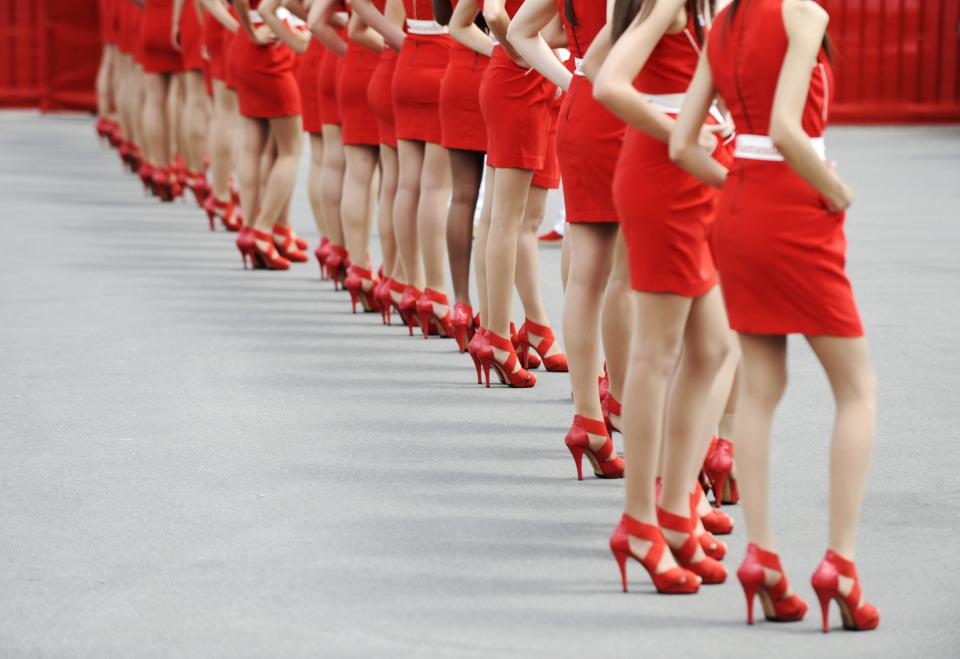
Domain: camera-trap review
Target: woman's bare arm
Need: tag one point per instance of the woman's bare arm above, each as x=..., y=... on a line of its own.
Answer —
x=525, y=34
x=686, y=148
x=297, y=40
x=464, y=30
x=361, y=33
x=319, y=21
x=219, y=11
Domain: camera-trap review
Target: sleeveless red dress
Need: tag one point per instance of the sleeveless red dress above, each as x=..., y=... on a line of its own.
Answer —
x=380, y=97
x=330, y=70
x=108, y=21
x=159, y=55
x=213, y=42
x=191, y=38
x=126, y=35
x=356, y=117
x=666, y=215
x=589, y=136
x=416, y=78
x=461, y=123
x=308, y=79
x=781, y=253
x=520, y=111
x=264, y=76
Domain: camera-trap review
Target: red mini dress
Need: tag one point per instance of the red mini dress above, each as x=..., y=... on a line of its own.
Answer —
x=665, y=214
x=127, y=35
x=330, y=70
x=416, y=79
x=213, y=41
x=461, y=123
x=191, y=38
x=359, y=123
x=308, y=79
x=589, y=136
x=159, y=55
x=781, y=252
x=380, y=97
x=520, y=110
x=109, y=21
x=264, y=76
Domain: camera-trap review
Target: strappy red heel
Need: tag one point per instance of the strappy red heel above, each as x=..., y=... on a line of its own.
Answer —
x=475, y=347
x=716, y=521
x=520, y=379
x=606, y=464
x=321, y=253
x=338, y=260
x=709, y=569
x=675, y=581
x=609, y=405
x=197, y=182
x=225, y=211
x=857, y=613
x=777, y=605
x=718, y=467
x=355, y=282
x=556, y=363
x=246, y=246
x=288, y=244
x=463, y=327
x=267, y=257
x=533, y=359
x=603, y=383
x=381, y=293
x=408, y=306
x=430, y=322
x=162, y=184
x=712, y=547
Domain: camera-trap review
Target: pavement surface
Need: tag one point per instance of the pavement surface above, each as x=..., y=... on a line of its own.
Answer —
x=198, y=461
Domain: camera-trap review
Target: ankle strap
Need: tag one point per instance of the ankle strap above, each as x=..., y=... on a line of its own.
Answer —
x=844, y=567
x=543, y=331
x=362, y=273
x=766, y=558
x=592, y=426
x=436, y=296
x=284, y=229
x=260, y=235
x=500, y=342
x=613, y=405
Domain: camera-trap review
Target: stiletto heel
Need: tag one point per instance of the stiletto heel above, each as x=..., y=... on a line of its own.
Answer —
x=462, y=322
x=556, y=363
x=777, y=605
x=675, y=581
x=857, y=613
x=509, y=372
x=606, y=464
x=408, y=307
x=709, y=569
x=338, y=260
x=718, y=467
x=245, y=244
x=430, y=322
x=354, y=283
x=530, y=359
x=609, y=405
x=474, y=348
x=321, y=253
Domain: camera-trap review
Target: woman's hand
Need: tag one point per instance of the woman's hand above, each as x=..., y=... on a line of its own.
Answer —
x=263, y=36
x=841, y=199
x=175, y=37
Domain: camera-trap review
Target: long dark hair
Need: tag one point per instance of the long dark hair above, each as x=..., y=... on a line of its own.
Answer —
x=625, y=11
x=735, y=5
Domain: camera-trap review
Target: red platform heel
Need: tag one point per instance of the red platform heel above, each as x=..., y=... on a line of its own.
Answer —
x=609, y=405
x=267, y=257
x=408, y=306
x=288, y=244
x=675, y=581
x=430, y=322
x=246, y=246
x=606, y=464
x=362, y=285
x=857, y=613
x=778, y=606
x=709, y=569
x=508, y=371
x=338, y=260
x=321, y=253
x=556, y=363
x=463, y=327
x=718, y=467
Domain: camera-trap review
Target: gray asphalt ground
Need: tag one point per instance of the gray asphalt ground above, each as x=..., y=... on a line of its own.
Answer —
x=197, y=461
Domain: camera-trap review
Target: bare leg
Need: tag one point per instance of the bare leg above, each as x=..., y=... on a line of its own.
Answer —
x=222, y=139
x=287, y=131
x=196, y=120
x=254, y=141
x=615, y=322
x=466, y=168
x=528, y=259
x=410, y=157
x=510, y=189
x=314, y=178
x=355, y=202
x=105, y=75
x=388, y=194
x=730, y=411
x=564, y=261
x=155, y=124
x=480, y=263
x=332, y=182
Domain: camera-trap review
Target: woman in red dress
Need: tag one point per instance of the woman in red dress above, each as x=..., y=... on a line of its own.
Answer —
x=187, y=35
x=219, y=27
x=520, y=110
x=269, y=101
x=589, y=140
x=665, y=215
x=107, y=71
x=781, y=249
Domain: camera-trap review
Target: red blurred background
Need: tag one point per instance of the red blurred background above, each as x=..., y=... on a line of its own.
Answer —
x=896, y=60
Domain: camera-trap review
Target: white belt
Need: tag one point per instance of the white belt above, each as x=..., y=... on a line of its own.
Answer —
x=341, y=16
x=671, y=104
x=578, y=67
x=282, y=13
x=426, y=27
x=760, y=147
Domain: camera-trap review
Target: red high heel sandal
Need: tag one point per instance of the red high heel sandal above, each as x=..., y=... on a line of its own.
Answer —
x=162, y=184
x=338, y=260
x=463, y=327
x=712, y=547
x=430, y=322
x=321, y=253
x=857, y=613
x=288, y=244
x=603, y=383
x=354, y=283
x=225, y=211
x=408, y=306
x=246, y=246
x=675, y=581
x=520, y=379
x=381, y=293
x=475, y=347
x=718, y=467
x=394, y=296
x=556, y=363
x=533, y=359
x=716, y=521
x=709, y=569
x=197, y=182
x=267, y=257
x=777, y=605
x=609, y=405
x=604, y=461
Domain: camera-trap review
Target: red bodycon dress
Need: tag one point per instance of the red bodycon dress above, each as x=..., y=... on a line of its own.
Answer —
x=264, y=75
x=330, y=70
x=520, y=111
x=108, y=21
x=191, y=38
x=780, y=251
x=666, y=215
x=126, y=36
x=358, y=122
x=419, y=70
x=461, y=123
x=380, y=97
x=308, y=78
x=159, y=55
x=213, y=42
x=589, y=137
